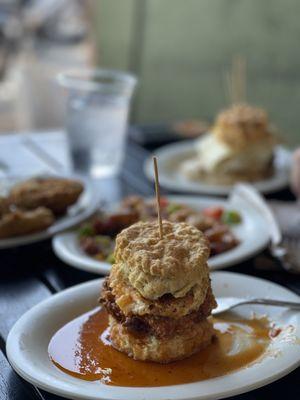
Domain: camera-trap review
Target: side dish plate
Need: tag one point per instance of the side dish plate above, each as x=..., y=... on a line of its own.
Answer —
x=82, y=209
x=251, y=232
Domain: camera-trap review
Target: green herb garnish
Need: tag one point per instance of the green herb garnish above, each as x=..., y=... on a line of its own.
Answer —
x=86, y=230
x=231, y=217
x=172, y=207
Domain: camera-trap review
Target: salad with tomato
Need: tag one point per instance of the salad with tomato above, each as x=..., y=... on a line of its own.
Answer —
x=97, y=236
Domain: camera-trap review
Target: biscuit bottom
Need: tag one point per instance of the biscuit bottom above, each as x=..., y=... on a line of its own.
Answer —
x=150, y=348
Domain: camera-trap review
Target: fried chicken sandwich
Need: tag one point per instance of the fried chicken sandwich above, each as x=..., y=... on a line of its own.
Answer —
x=158, y=294
x=240, y=147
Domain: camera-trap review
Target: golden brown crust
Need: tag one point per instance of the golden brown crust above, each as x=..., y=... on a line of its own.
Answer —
x=242, y=125
x=155, y=266
x=156, y=324
x=17, y=222
x=57, y=194
x=149, y=348
x=131, y=301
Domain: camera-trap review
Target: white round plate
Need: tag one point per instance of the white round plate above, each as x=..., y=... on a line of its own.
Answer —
x=82, y=209
x=251, y=232
x=28, y=341
x=171, y=156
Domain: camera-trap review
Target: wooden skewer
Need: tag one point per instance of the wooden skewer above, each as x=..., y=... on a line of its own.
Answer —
x=160, y=225
x=238, y=80
x=235, y=82
x=242, y=77
x=228, y=87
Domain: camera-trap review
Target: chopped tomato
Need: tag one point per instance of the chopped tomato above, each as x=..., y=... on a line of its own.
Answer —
x=213, y=212
x=163, y=202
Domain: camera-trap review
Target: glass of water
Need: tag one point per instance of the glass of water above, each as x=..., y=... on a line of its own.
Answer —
x=98, y=103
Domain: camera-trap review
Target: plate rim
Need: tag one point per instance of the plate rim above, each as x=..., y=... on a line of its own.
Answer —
x=207, y=188
x=60, y=251
x=11, y=352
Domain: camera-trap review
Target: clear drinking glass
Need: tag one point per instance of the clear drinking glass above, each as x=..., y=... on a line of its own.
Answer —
x=98, y=103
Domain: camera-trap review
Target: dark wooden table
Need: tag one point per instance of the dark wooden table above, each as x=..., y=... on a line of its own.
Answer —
x=31, y=274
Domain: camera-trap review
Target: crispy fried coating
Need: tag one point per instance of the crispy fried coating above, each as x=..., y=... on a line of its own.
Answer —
x=152, y=336
x=152, y=323
x=57, y=194
x=19, y=222
x=130, y=301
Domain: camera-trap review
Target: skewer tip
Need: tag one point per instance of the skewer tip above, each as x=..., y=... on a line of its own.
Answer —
x=157, y=192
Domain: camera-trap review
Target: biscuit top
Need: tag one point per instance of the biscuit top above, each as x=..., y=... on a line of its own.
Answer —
x=155, y=266
x=241, y=125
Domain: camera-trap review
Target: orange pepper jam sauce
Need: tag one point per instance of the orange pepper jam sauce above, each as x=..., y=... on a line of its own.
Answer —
x=82, y=349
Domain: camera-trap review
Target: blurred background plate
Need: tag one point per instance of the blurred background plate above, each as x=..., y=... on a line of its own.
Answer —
x=172, y=155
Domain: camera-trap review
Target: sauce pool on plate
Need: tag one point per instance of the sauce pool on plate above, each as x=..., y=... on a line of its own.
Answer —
x=82, y=349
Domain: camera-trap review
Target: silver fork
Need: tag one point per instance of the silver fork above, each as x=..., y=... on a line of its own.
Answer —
x=228, y=303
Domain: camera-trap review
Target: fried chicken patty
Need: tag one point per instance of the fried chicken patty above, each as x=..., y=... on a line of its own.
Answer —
x=130, y=301
x=19, y=222
x=57, y=194
x=156, y=325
